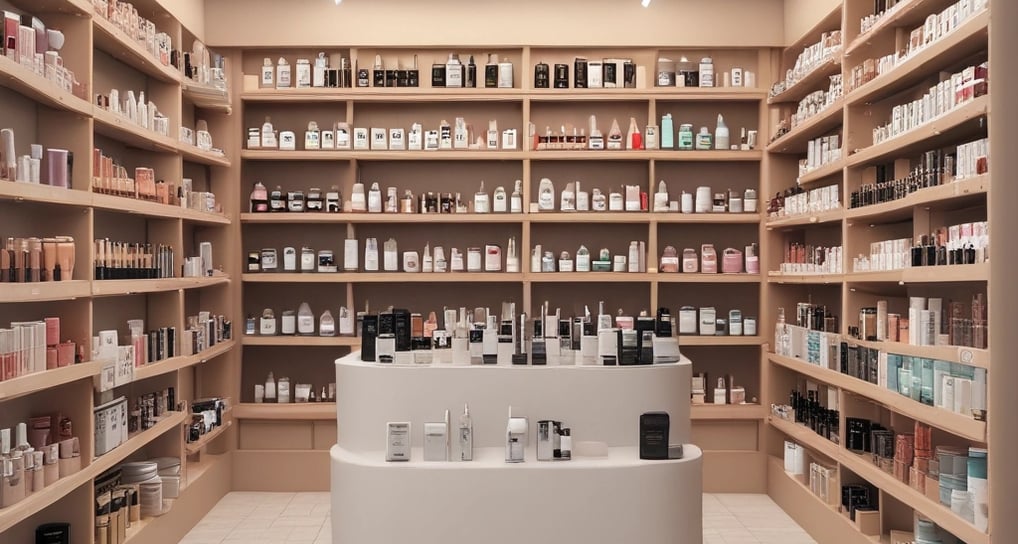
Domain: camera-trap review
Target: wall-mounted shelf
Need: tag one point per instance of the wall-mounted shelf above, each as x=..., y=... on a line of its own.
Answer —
x=297, y=412
x=40, y=381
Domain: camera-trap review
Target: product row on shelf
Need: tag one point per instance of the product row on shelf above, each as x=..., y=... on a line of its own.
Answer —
x=630, y=198
x=37, y=458
x=811, y=58
x=460, y=71
x=967, y=243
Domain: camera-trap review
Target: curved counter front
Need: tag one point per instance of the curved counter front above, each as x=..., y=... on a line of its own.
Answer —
x=619, y=499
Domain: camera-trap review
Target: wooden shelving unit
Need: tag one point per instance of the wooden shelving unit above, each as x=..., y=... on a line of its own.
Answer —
x=854, y=116
x=104, y=57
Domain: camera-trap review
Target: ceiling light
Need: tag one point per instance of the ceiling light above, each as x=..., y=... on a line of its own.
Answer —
x=645, y=3
x=338, y=1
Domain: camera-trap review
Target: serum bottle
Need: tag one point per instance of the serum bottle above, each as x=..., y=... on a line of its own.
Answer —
x=466, y=435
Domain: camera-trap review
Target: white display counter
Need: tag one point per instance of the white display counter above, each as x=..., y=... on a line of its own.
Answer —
x=615, y=499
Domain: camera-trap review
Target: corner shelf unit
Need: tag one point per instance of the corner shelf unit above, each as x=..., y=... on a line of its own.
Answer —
x=853, y=116
x=103, y=57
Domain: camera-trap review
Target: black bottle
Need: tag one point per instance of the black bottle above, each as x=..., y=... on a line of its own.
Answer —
x=561, y=76
x=541, y=76
x=413, y=75
x=491, y=72
x=471, y=74
x=580, y=73
x=438, y=75
x=378, y=77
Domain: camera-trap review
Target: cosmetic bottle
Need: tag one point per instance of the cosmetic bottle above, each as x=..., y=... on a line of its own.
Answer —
x=752, y=259
x=709, y=259
x=661, y=197
x=721, y=134
x=598, y=202
x=582, y=260
x=516, y=199
x=651, y=140
x=288, y=323
x=749, y=201
x=568, y=200
x=615, y=202
x=466, y=435
x=667, y=132
x=270, y=389
x=546, y=195
x=633, y=138
x=390, y=256
x=596, y=139
x=268, y=135
x=615, y=136
x=685, y=137
x=481, y=202
x=374, y=199
x=453, y=71
x=259, y=198
x=721, y=392
x=305, y=320
x=541, y=76
x=703, y=140
x=505, y=74
x=303, y=74
x=267, y=80
x=491, y=72
x=358, y=202
x=582, y=199
x=470, y=81
x=282, y=74
x=267, y=324
x=371, y=255
x=326, y=323
x=634, y=257
x=720, y=203
x=707, y=72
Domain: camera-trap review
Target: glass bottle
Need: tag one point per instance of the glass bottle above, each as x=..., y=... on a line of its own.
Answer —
x=782, y=337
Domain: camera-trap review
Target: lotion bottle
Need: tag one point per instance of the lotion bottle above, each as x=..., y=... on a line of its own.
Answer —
x=516, y=200
x=721, y=138
x=667, y=132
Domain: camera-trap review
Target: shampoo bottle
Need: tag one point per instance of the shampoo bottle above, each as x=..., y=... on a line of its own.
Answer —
x=667, y=132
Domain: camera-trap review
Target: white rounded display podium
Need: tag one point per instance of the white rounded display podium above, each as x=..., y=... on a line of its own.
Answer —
x=602, y=500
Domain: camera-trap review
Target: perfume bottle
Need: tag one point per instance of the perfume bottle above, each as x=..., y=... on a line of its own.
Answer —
x=491, y=72
x=471, y=74
x=782, y=337
x=466, y=435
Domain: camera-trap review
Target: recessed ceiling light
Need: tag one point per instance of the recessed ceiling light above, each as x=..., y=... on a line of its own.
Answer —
x=645, y=3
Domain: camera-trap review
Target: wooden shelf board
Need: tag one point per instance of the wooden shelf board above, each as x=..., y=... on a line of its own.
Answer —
x=588, y=217
x=43, y=194
x=926, y=274
x=934, y=511
x=739, y=94
x=107, y=37
x=967, y=39
x=419, y=94
x=957, y=424
x=831, y=169
x=588, y=277
x=40, y=381
x=817, y=79
x=381, y=277
x=23, y=510
x=808, y=279
x=681, y=277
x=45, y=291
x=727, y=411
x=817, y=218
x=19, y=78
x=953, y=126
x=119, y=128
x=191, y=153
x=956, y=195
x=206, y=97
x=704, y=156
x=346, y=155
x=204, y=440
x=805, y=436
x=131, y=287
x=705, y=218
x=387, y=218
x=685, y=340
x=956, y=354
x=176, y=363
x=796, y=140
x=293, y=411
x=301, y=341
x=154, y=209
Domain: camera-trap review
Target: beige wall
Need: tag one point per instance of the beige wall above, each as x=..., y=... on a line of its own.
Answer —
x=190, y=13
x=494, y=22
x=802, y=15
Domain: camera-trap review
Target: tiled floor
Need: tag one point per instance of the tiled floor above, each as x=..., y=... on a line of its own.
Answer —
x=255, y=518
